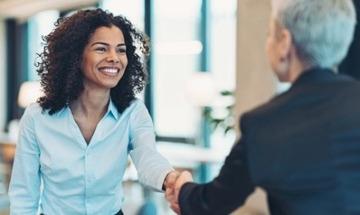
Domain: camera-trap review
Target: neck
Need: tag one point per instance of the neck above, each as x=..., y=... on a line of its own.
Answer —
x=296, y=68
x=91, y=103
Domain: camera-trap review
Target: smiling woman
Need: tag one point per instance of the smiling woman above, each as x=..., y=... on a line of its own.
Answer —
x=64, y=54
x=77, y=138
x=104, y=59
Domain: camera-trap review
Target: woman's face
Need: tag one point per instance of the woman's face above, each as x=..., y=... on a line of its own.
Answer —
x=104, y=58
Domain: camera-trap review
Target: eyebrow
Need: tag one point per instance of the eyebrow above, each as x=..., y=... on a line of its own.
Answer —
x=106, y=44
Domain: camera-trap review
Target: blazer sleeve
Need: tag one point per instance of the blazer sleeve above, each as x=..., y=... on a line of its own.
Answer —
x=226, y=192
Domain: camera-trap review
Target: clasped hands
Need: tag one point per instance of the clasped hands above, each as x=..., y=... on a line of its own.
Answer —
x=173, y=183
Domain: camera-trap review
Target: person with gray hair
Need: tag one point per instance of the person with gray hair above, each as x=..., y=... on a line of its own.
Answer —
x=303, y=146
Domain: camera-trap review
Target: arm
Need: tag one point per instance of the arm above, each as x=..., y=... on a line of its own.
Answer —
x=225, y=193
x=152, y=167
x=24, y=190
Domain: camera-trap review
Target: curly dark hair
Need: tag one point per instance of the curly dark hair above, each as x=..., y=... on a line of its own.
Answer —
x=59, y=66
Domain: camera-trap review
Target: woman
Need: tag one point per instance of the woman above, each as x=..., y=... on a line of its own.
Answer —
x=76, y=139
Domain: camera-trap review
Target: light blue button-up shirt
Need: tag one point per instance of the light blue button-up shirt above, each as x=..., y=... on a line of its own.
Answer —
x=78, y=178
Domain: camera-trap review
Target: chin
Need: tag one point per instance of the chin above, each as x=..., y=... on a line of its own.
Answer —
x=109, y=85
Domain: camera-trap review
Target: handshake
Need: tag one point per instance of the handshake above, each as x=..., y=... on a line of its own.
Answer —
x=173, y=183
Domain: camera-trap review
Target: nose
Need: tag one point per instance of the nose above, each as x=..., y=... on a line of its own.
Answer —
x=113, y=57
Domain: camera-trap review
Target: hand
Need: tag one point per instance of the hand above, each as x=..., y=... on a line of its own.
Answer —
x=172, y=193
x=169, y=185
x=170, y=179
x=181, y=180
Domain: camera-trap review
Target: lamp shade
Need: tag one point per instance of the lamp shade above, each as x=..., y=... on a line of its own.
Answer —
x=201, y=89
x=29, y=92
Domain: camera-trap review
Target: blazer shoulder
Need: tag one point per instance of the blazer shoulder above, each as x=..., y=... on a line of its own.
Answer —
x=267, y=107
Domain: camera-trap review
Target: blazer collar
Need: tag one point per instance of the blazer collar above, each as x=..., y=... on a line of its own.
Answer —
x=314, y=75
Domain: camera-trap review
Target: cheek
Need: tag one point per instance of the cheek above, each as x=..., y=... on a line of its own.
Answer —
x=84, y=67
x=268, y=49
x=87, y=64
x=124, y=61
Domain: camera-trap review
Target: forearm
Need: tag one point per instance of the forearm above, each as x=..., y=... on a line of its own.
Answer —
x=152, y=168
x=222, y=195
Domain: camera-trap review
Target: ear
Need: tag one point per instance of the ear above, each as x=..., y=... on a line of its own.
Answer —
x=285, y=43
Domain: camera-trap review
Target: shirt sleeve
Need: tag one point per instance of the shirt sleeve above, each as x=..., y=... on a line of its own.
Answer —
x=151, y=166
x=226, y=192
x=24, y=190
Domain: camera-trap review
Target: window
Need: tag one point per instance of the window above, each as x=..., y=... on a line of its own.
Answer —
x=222, y=42
x=176, y=53
x=180, y=49
x=40, y=25
x=133, y=10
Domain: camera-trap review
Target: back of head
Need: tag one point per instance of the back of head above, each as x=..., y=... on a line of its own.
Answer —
x=322, y=30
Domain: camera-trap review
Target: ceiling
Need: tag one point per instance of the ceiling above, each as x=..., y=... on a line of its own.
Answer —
x=22, y=9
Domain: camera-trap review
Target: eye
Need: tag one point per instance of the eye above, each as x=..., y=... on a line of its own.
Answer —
x=121, y=50
x=100, y=49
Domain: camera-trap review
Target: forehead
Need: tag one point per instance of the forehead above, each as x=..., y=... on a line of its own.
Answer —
x=113, y=34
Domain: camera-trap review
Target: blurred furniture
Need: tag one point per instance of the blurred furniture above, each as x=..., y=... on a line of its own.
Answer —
x=29, y=92
x=186, y=155
x=7, y=153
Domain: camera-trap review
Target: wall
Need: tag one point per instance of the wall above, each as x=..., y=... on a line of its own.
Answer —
x=2, y=75
x=255, y=83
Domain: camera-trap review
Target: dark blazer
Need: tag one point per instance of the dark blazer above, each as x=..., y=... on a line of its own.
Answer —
x=302, y=147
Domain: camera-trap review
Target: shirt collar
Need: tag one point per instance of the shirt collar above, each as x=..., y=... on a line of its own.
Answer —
x=112, y=109
x=314, y=75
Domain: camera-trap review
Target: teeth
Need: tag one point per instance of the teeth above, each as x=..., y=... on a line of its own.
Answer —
x=109, y=70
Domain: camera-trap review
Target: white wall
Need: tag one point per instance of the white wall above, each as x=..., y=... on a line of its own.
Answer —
x=255, y=83
x=3, y=77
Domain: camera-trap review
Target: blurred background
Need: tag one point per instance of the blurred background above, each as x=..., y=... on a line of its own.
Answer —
x=207, y=66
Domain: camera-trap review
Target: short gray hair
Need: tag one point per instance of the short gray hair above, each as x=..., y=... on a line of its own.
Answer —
x=322, y=30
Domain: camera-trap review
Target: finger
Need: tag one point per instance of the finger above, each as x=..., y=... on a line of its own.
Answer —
x=175, y=208
x=187, y=175
x=171, y=179
x=169, y=194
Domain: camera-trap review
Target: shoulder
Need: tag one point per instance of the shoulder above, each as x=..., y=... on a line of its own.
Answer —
x=33, y=110
x=137, y=103
x=348, y=81
x=345, y=77
x=266, y=113
x=137, y=109
x=265, y=108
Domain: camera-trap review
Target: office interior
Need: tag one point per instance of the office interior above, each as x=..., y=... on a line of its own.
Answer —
x=207, y=67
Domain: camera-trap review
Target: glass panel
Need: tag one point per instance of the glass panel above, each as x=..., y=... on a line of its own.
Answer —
x=176, y=56
x=133, y=10
x=39, y=25
x=223, y=42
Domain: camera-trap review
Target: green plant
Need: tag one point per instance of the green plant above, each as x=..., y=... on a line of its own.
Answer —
x=225, y=120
